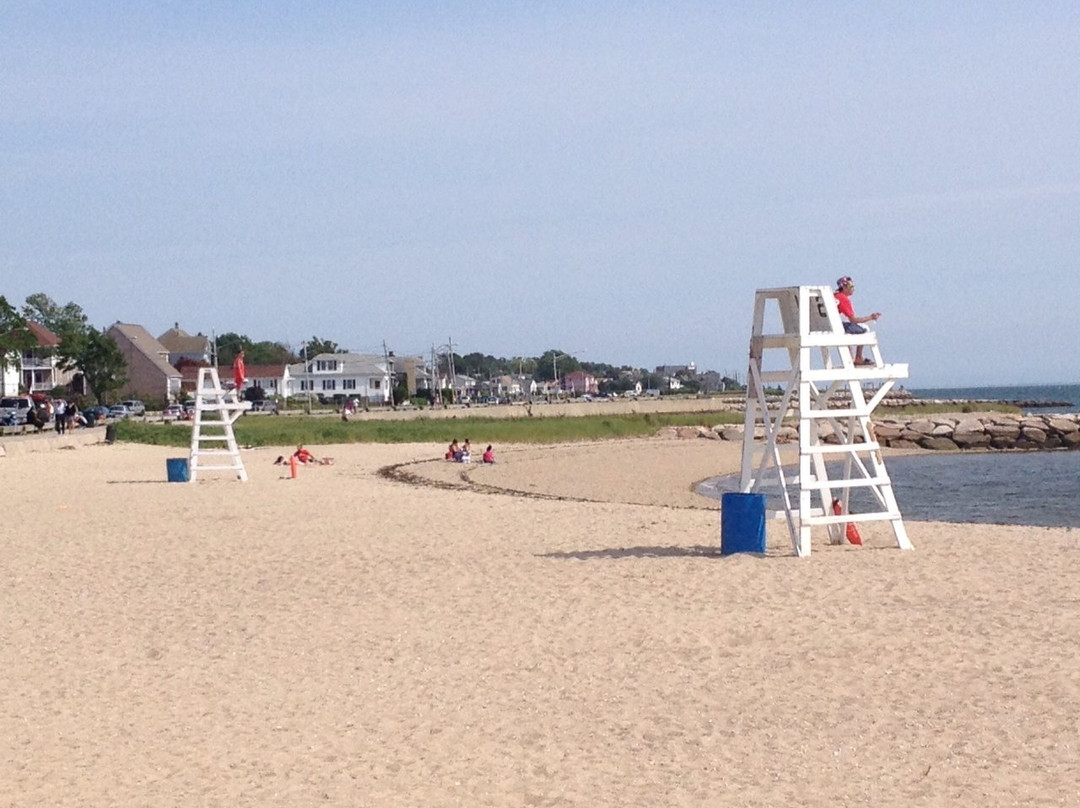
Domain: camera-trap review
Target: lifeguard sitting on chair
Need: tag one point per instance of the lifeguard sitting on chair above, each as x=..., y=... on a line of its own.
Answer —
x=845, y=288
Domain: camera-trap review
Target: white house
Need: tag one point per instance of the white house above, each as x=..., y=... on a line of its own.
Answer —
x=348, y=375
x=273, y=380
x=9, y=375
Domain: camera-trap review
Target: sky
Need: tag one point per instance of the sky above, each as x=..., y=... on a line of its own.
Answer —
x=610, y=179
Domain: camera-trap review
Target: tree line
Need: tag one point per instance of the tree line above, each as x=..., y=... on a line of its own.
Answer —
x=93, y=354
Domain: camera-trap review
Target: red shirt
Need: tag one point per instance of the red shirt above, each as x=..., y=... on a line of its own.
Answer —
x=843, y=302
x=239, y=371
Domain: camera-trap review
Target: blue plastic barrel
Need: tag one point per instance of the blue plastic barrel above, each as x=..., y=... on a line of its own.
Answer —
x=177, y=469
x=742, y=523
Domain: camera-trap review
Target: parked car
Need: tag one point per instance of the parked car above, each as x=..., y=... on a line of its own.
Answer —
x=119, y=411
x=135, y=406
x=13, y=409
x=95, y=415
x=172, y=411
x=189, y=407
x=264, y=405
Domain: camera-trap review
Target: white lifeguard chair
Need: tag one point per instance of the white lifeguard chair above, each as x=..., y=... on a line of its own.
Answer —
x=799, y=345
x=213, y=443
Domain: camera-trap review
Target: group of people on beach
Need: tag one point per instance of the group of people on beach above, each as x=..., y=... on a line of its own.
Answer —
x=462, y=453
x=63, y=414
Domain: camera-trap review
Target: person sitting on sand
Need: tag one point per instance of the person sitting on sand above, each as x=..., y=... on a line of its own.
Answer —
x=466, y=452
x=489, y=456
x=453, y=450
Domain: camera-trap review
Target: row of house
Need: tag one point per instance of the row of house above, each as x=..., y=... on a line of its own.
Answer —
x=152, y=369
x=163, y=368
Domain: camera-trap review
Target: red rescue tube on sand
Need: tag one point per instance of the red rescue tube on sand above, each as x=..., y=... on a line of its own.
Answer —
x=852, y=532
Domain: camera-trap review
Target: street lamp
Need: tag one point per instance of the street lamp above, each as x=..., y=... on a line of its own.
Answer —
x=555, y=366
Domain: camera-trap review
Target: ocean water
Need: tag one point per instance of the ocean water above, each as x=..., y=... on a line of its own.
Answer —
x=1003, y=488
x=1042, y=392
x=1006, y=488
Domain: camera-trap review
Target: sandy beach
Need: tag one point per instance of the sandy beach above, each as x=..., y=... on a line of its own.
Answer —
x=555, y=630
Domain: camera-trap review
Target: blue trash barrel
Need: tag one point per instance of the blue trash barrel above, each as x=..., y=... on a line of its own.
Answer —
x=742, y=523
x=177, y=469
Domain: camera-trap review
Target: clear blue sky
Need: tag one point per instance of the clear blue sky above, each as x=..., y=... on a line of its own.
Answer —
x=614, y=179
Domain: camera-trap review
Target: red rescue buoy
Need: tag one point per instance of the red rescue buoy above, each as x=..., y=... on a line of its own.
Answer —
x=852, y=532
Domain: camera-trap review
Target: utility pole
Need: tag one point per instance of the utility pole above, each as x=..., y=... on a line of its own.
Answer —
x=436, y=388
x=388, y=357
x=453, y=372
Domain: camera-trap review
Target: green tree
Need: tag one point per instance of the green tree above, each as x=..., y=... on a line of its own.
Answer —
x=229, y=345
x=315, y=346
x=63, y=321
x=269, y=353
x=96, y=355
x=15, y=337
x=266, y=352
x=550, y=359
x=91, y=352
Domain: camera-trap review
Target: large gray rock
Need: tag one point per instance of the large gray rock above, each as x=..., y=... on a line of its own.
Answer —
x=1010, y=430
x=732, y=433
x=900, y=443
x=1034, y=434
x=1063, y=425
x=886, y=432
x=787, y=434
x=970, y=440
x=938, y=444
x=973, y=425
x=921, y=426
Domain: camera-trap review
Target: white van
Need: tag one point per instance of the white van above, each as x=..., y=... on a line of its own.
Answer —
x=13, y=409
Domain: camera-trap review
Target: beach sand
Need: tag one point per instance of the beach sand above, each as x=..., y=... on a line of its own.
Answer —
x=576, y=640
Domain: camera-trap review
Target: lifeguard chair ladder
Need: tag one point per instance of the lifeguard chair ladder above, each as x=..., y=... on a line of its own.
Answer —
x=810, y=359
x=213, y=443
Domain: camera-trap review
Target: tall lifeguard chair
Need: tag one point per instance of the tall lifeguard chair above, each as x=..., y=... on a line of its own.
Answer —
x=213, y=442
x=798, y=346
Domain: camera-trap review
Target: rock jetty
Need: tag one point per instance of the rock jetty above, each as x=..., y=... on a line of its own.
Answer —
x=939, y=432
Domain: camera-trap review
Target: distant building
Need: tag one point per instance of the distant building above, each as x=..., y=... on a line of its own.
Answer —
x=273, y=380
x=182, y=346
x=148, y=369
x=415, y=373
x=578, y=382
x=345, y=375
x=40, y=371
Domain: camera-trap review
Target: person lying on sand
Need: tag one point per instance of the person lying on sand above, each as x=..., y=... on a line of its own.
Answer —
x=305, y=457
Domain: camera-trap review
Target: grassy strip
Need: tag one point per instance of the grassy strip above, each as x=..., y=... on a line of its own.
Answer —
x=269, y=431
x=951, y=409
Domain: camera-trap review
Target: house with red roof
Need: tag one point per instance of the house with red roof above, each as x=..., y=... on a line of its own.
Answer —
x=40, y=366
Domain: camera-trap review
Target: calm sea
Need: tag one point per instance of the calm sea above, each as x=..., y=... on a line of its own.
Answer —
x=1007, y=488
x=1002, y=488
x=1041, y=392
